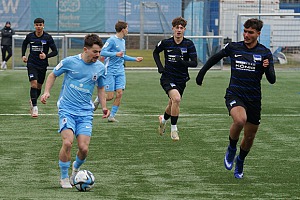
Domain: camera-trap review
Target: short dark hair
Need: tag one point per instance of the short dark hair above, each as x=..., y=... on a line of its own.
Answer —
x=39, y=20
x=179, y=21
x=91, y=39
x=254, y=23
x=120, y=25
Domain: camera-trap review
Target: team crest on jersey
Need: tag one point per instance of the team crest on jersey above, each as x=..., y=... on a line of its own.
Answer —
x=183, y=50
x=257, y=58
x=94, y=77
x=64, y=121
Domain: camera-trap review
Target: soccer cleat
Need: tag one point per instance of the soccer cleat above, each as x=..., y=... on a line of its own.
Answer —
x=162, y=126
x=112, y=119
x=34, y=112
x=96, y=103
x=3, y=65
x=174, y=136
x=229, y=158
x=74, y=172
x=65, y=183
x=239, y=166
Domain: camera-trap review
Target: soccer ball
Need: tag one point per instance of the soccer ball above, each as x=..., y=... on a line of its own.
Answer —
x=84, y=180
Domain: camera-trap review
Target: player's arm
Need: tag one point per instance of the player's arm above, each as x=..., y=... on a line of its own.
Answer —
x=49, y=83
x=210, y=62
x=107, y=49
x=53, y=48
x=129, y=58
x=24, y=47
x=268, y=65
x=156, y=58
x=102, y=100
x=193, y=62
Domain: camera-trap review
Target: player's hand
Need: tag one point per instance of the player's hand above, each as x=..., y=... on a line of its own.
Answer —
x=199, y=79
x=42, y=55
x=106, y=113
x=44, y=98
x=24, y=58
x=177, y=58
x=265, y=62
x=139, y=59
x=161, y=70
x=120, y=54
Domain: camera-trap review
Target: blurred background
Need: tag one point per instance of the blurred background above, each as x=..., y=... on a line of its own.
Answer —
x=211, y=23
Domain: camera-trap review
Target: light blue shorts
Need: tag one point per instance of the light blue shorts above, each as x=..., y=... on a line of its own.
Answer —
x=81, y=125
x=115, y=82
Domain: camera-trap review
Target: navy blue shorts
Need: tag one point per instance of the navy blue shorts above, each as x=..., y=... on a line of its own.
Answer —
x=253, y=108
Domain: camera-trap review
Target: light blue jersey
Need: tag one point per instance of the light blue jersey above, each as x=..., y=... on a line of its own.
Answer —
x=113, y=63
x=78, y=85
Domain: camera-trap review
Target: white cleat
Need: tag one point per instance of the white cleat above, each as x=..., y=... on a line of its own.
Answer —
x=162, y=126
x=174, y=136
x=34, y=112
x=96, y=103
x=74, y=172
x=65, y=183
x=112, y=119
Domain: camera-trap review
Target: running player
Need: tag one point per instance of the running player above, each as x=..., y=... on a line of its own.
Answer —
x=37, y=62
x=249, y=61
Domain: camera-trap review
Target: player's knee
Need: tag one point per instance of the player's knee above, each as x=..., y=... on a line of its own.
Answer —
x=84, y=149
x=241, y=121
x=67, y=145
x=119, y=94
x=176, y=100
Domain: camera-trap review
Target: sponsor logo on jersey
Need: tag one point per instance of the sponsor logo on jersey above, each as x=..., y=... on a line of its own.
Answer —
x=246, y=66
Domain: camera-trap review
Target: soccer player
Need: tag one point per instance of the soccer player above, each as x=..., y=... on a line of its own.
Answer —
x=75, y=106
x=115, y=55
x=249, y=61
x=6, y=42
x=40, y=42
x=179, y=53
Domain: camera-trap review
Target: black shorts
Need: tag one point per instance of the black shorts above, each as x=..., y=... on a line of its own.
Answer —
x=253, y=108
x=168, y=85
x=37, y=73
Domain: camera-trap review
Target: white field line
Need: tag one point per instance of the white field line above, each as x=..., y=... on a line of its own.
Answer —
x=155, y=115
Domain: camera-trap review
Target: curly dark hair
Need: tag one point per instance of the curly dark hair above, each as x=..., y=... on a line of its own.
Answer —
x=254, y=23
x=91, y=39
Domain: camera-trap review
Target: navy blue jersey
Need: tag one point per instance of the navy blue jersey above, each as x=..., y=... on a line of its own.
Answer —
x=178, y=57
x=246, y=69
x=38, y=45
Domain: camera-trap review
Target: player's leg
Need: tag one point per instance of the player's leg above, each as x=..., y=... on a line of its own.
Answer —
x=9, y=53
x=3, y=51
x=250, y=130
x=163, y=119
x=119, y=86
x=109, y=88
x=236, y=109
x=175, y=99
x=83, y=134
x=65, y=157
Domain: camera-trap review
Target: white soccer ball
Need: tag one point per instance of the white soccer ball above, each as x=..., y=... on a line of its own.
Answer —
x=84, y=180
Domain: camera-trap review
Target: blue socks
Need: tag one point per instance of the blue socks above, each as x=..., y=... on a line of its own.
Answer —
x=64, y=166
x=78, y=162
x=114, y=110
